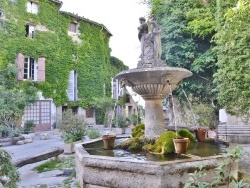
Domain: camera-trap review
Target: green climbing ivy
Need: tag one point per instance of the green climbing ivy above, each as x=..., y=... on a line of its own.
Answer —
x=90, y=58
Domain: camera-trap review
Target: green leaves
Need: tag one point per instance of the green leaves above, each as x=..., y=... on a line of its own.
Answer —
x=232, y=79
x=223, y=170
x=9, y=175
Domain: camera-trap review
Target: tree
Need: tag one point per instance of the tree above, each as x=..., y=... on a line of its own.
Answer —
x=188, y=27
x=13, y=99
x=104, y=103
x=233, y=49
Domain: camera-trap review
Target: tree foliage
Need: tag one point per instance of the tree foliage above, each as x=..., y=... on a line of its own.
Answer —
x=233, y=49
x=14, y=96
x=187, y=30
x=9, y=176
x=211, y=39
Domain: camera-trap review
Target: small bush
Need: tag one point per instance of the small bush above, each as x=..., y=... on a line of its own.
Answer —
x=93, y=133
x=72, y=125
x=4, y=131
x=29, y=126
x=120, y=121
x=9, y=175
x=187, y=134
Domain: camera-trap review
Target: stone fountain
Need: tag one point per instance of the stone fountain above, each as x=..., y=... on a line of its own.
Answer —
x=153, y=80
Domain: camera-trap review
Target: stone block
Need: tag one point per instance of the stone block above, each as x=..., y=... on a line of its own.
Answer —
x=20, y=142
x=44, y=136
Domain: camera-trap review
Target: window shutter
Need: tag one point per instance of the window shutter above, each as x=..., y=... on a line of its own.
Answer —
x=29, y=7
x=71, y=86
x=20, y=65
x=41, y=69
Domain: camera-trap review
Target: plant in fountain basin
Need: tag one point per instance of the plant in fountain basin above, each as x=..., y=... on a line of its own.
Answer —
x=73, y=129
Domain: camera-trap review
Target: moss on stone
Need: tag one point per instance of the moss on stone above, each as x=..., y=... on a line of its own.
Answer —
x=187, y=134
x=164, y=143
x=138, y=131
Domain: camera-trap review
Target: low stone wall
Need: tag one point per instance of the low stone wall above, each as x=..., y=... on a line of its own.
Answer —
x=100, y=171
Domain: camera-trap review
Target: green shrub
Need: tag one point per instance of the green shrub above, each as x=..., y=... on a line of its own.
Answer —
x=134, y=119
x=14, y=133
x=187, y=134
x=29, y=126
x=224, y=175
x=9, y=175
x=120, y=121
x=93, y=133
x=72, y=125
x=4, y=131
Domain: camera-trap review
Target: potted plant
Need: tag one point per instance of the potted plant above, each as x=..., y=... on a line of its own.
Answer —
x=73, y=130
x=182, y=140
x=121, y=124
x=108, y=141
x=180, y=144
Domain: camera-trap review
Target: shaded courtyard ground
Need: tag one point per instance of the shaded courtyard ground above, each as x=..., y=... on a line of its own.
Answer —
x=57, y=178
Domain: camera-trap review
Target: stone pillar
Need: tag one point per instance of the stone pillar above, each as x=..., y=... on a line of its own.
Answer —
x=154, y=119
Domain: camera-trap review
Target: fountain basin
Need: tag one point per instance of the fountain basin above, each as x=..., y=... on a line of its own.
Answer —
x=103, y=171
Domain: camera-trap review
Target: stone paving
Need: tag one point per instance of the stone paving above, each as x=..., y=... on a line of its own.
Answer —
x=53, y=179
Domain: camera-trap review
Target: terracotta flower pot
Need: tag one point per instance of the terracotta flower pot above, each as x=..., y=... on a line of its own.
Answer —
x=200, y=134
x=132, y=127
x=108, y=141
x=181, y=145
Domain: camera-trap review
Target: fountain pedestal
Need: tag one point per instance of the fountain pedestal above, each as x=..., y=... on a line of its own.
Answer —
x=154, y=119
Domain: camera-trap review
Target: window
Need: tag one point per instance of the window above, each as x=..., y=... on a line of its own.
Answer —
x=74, y=109
x=73, y=27
x=32, y=7
x=29, y=68
x=127, y=98
x=30, y=31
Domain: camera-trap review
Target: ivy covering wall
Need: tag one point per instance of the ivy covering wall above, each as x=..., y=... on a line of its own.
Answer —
x=91, y=58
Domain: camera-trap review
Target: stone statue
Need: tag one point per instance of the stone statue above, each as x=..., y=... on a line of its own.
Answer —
x=142, y=31
x=150, y=44
x=155, y=37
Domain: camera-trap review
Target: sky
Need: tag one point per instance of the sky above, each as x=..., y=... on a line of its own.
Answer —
x=120, y=17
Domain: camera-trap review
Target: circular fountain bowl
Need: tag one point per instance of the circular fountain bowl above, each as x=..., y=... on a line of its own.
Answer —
x=153, y=82
x=154, y=75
